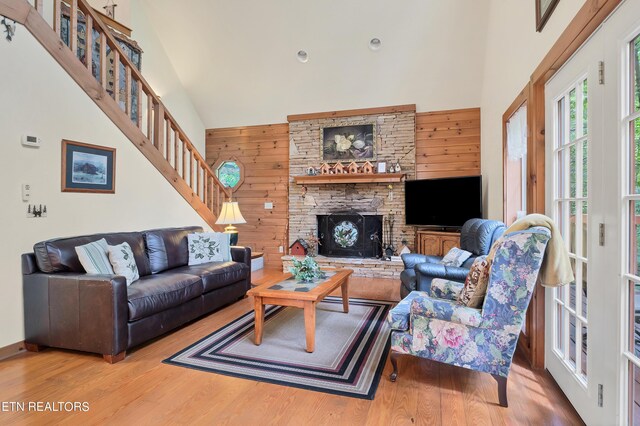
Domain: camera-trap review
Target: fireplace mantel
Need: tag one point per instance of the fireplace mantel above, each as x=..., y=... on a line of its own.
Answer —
x=349, y=178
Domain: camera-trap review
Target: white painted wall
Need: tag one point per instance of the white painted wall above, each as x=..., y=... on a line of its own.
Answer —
x=157, y=69
x=237, y=59
x=123, y=10
x=38, y=97
x=513, y=51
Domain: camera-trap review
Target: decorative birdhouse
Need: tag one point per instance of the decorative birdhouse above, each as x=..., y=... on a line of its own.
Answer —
x=338, y=168
x=353, y=168
x=325, y=169
x=299, y=248
x=367, y=167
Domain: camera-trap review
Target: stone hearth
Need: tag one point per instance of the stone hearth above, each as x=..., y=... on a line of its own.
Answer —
x=372, y=268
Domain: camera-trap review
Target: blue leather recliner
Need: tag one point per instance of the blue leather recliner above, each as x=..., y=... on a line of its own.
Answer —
x=477, y=236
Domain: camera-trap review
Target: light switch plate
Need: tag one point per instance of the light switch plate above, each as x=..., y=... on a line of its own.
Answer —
x=26, y=192
x=268, y=206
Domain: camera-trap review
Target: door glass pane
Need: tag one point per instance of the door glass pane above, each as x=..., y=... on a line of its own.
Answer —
x=572, y=227
x=572, y=288
x=559, y=324
x=572, y=171
x=583, y=368
x=585, y=152
x=634, y=393
x=581, y=247
x=635, y=318
x=572, y=115
x=634, y=237
x=561, y=128
x=635, y=64
x=584, y=290
x=585, y=107
x=572, y=340
x=634, y=164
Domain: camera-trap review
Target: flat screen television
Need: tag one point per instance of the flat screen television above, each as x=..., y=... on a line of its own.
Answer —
x=446, y=202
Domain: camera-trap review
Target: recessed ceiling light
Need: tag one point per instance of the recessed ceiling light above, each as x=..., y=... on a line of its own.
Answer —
x=302, y=56
x=375, y=43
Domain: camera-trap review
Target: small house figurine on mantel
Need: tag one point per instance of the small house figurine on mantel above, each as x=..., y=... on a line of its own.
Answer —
x=299, y=248
x=367, y=167
x=353, y=168
x=325, y=169
x=338, y=168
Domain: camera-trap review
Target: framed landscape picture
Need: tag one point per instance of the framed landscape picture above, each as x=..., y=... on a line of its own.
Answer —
x=544, y=9
x=88, y=168
x=356, y=142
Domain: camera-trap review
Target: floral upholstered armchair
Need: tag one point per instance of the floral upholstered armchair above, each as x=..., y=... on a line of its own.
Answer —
x=437, y=327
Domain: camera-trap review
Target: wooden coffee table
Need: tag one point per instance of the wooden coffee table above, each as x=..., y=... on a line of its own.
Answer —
x=284, y=290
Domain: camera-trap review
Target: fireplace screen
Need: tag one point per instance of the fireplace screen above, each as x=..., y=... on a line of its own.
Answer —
x=349, y=235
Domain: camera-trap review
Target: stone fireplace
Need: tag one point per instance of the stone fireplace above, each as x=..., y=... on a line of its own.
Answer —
x=395, y=143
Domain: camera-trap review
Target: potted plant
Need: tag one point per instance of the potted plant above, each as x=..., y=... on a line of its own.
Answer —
x=306, y=270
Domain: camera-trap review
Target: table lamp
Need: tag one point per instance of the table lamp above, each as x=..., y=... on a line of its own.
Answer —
x=230, y=215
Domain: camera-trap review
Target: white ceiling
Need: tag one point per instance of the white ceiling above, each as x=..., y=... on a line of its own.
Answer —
x=237, y=58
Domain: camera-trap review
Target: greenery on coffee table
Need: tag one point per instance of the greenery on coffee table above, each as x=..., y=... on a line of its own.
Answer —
x=306, y=270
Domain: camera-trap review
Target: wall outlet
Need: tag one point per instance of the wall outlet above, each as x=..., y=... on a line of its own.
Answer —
x=280, y=249
x=268, y=206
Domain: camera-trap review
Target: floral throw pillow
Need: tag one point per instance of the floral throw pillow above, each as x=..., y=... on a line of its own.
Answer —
x=455, y=257
x=475, y=286
x=123, y=262
x=208, y=247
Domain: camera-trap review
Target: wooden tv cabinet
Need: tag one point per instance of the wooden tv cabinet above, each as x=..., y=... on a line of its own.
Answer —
x=436, y=243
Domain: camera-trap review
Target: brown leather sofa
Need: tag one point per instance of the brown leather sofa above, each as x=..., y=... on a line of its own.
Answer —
x=66, y=308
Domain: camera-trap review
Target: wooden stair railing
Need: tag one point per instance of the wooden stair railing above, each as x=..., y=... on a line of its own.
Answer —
x=161, y=139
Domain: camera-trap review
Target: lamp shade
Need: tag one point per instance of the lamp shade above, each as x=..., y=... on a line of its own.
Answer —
x=230, y=214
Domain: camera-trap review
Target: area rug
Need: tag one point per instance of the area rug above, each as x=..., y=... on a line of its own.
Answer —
x=349, y=355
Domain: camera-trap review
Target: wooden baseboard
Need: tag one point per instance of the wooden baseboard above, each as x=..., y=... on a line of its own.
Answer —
x=11, y=350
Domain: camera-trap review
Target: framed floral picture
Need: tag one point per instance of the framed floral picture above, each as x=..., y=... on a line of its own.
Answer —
x=544, y=9
x=356, y=142
x=88, y=168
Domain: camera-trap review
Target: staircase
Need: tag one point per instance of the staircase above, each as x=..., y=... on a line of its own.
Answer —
x=145, y=122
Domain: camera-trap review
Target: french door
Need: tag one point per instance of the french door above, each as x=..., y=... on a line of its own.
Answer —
x=580, y=344
x=593, y=192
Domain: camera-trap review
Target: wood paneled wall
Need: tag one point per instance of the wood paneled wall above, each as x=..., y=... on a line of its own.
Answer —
x=264, y=152
x=448, y=143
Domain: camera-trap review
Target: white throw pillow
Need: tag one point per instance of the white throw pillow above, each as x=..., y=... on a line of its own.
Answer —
x=455, y=257
x=209, y=247
x=94, y=259
x=123, y=262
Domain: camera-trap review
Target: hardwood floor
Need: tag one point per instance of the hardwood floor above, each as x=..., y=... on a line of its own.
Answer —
x=142, y=390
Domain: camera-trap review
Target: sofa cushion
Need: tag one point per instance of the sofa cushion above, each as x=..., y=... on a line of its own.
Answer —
x=59, y=254
x=155, y=293
x=94, y=258
x=455, y=257
x=217, y=274
x=167, y=248
x=205, y=247
x=123, y=262
x=408, y=279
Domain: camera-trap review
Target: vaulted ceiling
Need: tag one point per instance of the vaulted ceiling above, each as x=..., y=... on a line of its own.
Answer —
x=237, y=59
